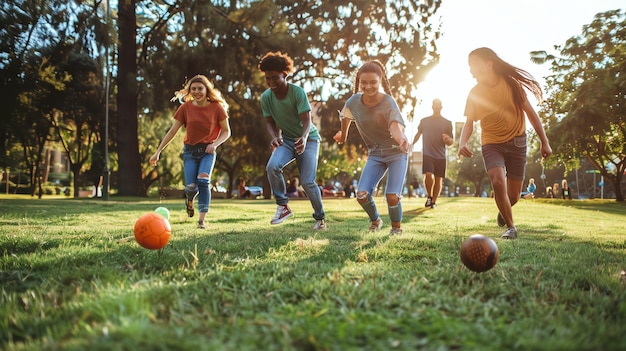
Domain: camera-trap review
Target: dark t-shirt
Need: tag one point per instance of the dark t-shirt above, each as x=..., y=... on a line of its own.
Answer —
x=431, y=128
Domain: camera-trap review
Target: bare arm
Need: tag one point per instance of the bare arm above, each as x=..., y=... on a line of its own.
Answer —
x=534, y=120
x=221, y=138
x=300, y=144
x=468, y=129
x=417, y=136
x=397, y=133
x=166, y=140
x=342, y=135
x=274, y=132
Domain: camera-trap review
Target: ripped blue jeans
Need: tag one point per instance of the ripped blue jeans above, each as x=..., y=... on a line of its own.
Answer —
x=195, y=163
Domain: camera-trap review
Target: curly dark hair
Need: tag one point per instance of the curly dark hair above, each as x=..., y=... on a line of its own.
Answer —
x=276, y=61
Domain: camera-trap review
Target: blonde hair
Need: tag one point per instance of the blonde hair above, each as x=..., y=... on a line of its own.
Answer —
x=212, y=94
x=376, y=67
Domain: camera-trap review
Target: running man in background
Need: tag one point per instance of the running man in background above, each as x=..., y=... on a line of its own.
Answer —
x=437, y=133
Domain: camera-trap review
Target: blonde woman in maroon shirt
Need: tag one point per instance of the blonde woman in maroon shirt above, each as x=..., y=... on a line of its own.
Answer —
x=203, y=113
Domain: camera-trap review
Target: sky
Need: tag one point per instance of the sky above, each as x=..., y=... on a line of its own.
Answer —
x=512, y=29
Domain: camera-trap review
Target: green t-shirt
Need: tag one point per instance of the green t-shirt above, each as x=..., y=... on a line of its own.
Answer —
x=286, y=112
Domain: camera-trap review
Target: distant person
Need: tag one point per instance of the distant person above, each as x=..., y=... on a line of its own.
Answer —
x=555, y=190
x=499, y=102
x=436, y=130
x=293, y=188
x=566, y=192
x=242, y=191
x=549, y=192
x=287, y=114
x=381, y=125
x=530, y=189
x=204, y=115
x=348, y=190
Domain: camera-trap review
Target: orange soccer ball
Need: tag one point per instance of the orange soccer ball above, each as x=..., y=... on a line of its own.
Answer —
x=152, y=231
x=479, y=253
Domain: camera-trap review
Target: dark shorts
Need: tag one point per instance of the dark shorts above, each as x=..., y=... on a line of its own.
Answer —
x=435, y=166
x=510, y=155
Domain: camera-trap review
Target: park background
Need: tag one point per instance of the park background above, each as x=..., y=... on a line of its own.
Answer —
x=86, y=86
x=85, y=97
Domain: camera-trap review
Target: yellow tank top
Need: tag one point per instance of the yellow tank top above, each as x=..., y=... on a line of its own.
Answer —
x=500, y=120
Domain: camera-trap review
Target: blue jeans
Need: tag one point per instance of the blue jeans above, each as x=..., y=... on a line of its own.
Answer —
x=196, y=162
x=307, y=165
x=378, y=163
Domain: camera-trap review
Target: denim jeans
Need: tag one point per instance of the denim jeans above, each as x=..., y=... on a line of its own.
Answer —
x=195, y=163
x=378, y=163
x=307, y=165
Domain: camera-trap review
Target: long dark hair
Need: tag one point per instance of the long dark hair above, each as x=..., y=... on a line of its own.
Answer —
x=376, y=67
x=515, y=77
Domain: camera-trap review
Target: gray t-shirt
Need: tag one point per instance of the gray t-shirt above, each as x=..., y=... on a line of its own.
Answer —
x=432, y=128
x=373, y=122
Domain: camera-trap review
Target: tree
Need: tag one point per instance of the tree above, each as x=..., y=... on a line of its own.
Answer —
x=225, y=40
x=585, y=110
x=130, y=181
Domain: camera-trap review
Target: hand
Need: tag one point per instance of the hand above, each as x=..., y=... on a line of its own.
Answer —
x=405, y=146
x=465, y=151
x=276, y=142
x=546, y=150
x=300, y=145
x=338, y=137
x=154, y=159
x=447, y=139
x=210, y=149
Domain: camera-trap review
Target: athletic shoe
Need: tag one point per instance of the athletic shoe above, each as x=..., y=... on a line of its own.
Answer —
x=433, y=205
x=320, y=224
x=510, y=233
x=376, y=225
x=501, y=221
x=429, y=202
x=395, y=231
x=201, y=225
x=282, y=212
x=189, y=204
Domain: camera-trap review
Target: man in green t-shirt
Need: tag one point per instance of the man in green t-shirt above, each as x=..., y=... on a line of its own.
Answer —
x=294, y=137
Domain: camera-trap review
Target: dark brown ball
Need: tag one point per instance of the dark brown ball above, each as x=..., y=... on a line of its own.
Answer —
x=479, y=253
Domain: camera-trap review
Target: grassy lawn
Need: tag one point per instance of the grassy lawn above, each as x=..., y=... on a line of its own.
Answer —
x=73, y=278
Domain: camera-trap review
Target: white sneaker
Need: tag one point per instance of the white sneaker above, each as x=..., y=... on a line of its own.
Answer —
x=320, y=224
x=510, y=233
x=282, y=212
x=376, y=225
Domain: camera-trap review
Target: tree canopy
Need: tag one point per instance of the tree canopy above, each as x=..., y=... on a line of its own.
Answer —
x=585, y=111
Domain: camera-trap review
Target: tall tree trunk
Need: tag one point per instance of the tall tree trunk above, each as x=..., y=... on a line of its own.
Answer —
x=130, y=183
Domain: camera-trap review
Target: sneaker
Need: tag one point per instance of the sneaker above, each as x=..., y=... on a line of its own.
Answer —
x=201, y=225
x=189, y=204
x=429, y=202
x=433, y=205
x=320, y=224
x=501, y=221
x=395, y=231
x=376, y=225
x=510, y=233
x=282, y=212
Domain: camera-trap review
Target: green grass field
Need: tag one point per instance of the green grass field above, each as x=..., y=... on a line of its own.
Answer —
x=73, y=278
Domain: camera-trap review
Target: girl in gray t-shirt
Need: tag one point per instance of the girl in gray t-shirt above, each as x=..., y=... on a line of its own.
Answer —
x=381, y=125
